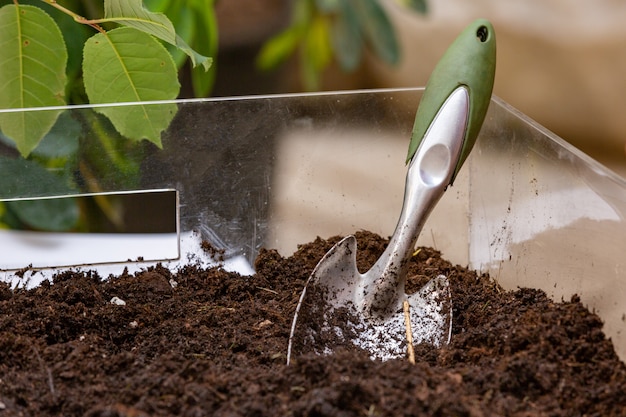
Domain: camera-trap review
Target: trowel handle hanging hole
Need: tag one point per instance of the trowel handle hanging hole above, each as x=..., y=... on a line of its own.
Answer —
x=482, y=33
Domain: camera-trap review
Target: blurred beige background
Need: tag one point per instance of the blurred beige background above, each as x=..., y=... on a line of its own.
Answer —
x=562, y=62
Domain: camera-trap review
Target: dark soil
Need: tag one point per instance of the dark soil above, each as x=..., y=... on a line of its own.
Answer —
x=208, y=342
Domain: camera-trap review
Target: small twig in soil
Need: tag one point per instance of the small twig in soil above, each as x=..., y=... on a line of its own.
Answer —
x=409, y=331
x=47, y=371
x=268, y=290
x=215, y=392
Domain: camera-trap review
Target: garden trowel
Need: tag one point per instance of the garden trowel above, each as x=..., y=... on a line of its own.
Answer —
x=339, y=306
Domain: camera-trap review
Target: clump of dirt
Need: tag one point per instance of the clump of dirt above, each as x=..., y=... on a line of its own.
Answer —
x=208, y=342
x=213, y=252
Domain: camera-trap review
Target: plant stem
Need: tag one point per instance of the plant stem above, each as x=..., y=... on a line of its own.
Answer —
x=77, y=18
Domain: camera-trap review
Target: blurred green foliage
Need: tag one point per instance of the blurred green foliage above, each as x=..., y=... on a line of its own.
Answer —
x=323, y=30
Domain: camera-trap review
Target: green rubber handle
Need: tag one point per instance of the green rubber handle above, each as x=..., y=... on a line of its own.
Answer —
x=469, y=61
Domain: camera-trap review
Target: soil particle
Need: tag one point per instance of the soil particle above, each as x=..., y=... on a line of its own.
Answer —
x=208, y=342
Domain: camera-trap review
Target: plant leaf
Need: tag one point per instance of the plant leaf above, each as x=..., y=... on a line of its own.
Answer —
x=23, y=178
x=206, y=42
x=157, y=5
x=378, y=30
x=278, y=48
x=347, y=39
x=196, y=58
x=317, y=45
x=32, y=73
x=327, y=6
x=127, y=65
x=132, y=13
x=62, y=140
x=419, y=6
x=185, y=24
x=316, y=52
x=55, y=214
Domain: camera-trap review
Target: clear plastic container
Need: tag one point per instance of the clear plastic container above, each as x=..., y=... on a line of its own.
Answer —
x=275, y=171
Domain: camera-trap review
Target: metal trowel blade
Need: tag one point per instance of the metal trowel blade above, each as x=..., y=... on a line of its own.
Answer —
x=331, y=315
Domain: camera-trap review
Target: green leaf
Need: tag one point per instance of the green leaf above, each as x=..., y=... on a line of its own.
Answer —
x=132, y=13
x=347, y=39
x=55, y=214
x=185, y=24
x=317, y=45
x=108, y=151
x=278, y=48
x=157, y=5
x=327, y=6
x=62, y=140
x=378, y=30
x=24, y=178
x=196, y=58
x=419, y=6
x=206, y=42
x=316, y=52
x=32, y=73
x=127, y=65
